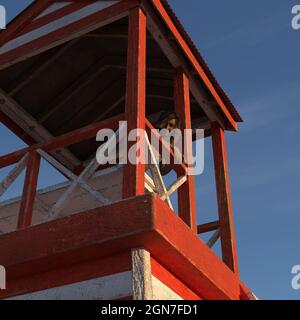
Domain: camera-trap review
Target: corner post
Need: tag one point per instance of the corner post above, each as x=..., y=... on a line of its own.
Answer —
x=29, y=190
x=186, y=193
x=228, y=240
x=135, y=105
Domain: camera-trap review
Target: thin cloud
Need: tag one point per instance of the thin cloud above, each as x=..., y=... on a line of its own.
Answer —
x=251, y=34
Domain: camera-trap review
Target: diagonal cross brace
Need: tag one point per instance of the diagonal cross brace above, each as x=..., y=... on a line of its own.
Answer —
x=80, y=180
x=13, y=175
x=157, y=178
x=75, y=182
x=214, y=238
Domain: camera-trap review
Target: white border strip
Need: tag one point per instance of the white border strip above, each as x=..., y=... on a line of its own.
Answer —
x=55, y=25
x=110, y=287
x=53, y=7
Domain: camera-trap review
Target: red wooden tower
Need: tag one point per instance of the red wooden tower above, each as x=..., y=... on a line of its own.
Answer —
x=67, y=70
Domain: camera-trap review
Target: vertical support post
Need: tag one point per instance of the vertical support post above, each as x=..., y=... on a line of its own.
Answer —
x=141, y=274
x=228, y=240
x=29, y=190
x=135, y=105
x=186, y=193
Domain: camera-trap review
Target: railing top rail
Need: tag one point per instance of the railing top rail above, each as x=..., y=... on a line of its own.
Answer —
x=64, y=140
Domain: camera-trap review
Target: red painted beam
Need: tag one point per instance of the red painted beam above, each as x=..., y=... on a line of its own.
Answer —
x=135, y=106
x=64, y=140
x=68, y=32
x=29, y=190
x=189, y=54
x=166, y=277
x=228, y=240
x=21, y=21
x=68, y=274
x=186, y=193
x=207, y=227
x=16, y=129
x=57, y=14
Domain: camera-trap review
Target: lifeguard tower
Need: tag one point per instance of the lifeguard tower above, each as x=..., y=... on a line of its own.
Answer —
x=67, y=70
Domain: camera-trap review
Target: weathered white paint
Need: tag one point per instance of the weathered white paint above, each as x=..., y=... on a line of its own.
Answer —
x=104, y=288
x=141, y=274
x=55, y=25
x=54, y=7
x=108, y=182
x=163, y=292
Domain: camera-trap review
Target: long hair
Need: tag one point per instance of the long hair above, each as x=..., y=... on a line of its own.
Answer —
x=165, y=117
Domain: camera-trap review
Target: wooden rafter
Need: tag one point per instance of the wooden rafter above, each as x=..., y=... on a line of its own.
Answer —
x=34, y=73
x=67, y=94
x=114, y=92
x=207, y=227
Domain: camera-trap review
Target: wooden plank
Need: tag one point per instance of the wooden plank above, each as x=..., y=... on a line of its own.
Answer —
x=13, y=127
x=69, y=274
x=149, y=183
x=23, y=20
x=228, y=239
x=38, y=70
x=141, y=275
x=157, y=177
x=81, y=82
x=68, y=32
x=135, y=105
x=174, y=186
x=186, y=193
x=29, y=190
x=13, y=175
x=207, y=227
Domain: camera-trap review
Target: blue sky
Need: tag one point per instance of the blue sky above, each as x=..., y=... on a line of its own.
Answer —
x=254, y=53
